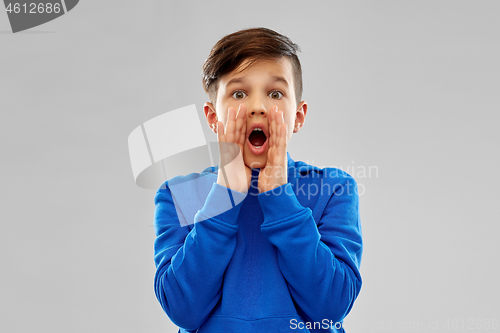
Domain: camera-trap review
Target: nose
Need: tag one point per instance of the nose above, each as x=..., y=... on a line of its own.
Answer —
x=256, y=107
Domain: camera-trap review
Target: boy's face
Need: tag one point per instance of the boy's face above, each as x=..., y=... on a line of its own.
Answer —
x=261, y=87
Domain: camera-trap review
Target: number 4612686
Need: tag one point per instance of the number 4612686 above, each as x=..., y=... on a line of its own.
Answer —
x=33, y=8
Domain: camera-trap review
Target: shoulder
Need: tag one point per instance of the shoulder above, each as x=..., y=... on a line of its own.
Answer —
x=331, y=175
x=190, y=181
x=192, y=187
x=321, y=187
x=186, y=193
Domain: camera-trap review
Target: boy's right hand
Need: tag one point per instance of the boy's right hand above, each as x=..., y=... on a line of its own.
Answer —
x=233, y=173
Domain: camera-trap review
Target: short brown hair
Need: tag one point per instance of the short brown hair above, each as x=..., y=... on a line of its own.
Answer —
x=252, y=44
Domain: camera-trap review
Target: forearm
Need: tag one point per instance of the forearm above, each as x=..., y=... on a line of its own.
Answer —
x=323, y=285
x=189, y=274
x=189, y=286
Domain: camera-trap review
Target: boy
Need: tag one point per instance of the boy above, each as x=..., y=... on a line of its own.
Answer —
x=284, y=256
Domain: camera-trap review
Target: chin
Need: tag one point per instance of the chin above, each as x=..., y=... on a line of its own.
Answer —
x=255, y=163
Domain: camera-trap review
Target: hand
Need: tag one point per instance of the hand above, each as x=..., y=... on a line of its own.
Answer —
x=233, y=173
x=275, y=173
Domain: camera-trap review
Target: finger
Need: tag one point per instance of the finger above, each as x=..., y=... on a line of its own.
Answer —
x=283, y=135
x=220, y=132
x=241, y=121
x=280, y=123
x=230, y=124
x=273, y=126
x=269, y=128
x=278, y=133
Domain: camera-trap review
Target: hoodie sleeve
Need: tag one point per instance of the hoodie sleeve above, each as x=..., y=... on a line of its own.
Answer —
x=320, y=261
x=190, y=263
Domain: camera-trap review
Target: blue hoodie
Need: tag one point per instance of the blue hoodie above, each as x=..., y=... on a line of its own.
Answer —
x=285, y=260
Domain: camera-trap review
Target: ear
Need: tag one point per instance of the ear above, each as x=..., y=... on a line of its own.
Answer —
x=300, y=116
x=211, y=116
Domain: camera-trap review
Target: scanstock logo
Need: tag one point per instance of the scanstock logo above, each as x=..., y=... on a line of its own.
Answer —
x=28, y=14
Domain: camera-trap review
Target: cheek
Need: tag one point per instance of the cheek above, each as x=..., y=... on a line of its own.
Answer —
x=222, y=111
x=288, y=112
x=289, y=120
x=221, y=115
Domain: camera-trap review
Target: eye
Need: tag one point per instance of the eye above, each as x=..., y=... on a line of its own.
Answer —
x=238, y=94
x=276, y=94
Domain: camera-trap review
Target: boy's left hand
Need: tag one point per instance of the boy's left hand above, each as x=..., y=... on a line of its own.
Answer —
x=275, y=173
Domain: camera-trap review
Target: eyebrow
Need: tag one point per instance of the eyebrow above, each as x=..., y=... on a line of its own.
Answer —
x=274, y=78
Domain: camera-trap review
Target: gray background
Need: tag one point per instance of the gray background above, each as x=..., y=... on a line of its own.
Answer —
x=410, y=88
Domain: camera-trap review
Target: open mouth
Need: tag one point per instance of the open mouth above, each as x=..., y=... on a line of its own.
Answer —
x=257, y=137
